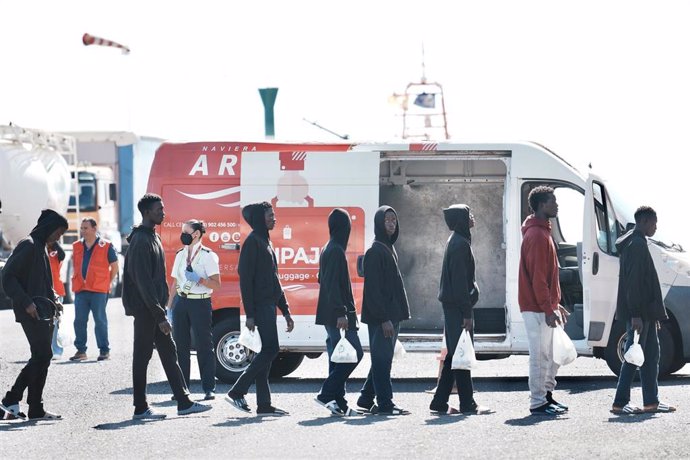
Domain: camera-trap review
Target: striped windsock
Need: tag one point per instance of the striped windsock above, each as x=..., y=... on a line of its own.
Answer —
x=92, y=40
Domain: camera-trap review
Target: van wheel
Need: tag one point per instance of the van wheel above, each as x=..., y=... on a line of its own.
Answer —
x=615, y=349
x=285, y=364
x=231, y=358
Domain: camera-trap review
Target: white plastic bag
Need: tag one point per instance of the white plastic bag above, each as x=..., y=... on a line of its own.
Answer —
x=250, y=339
x=635, y=355
x=464, y=357
x=65, y=334
x=399, y=351
x=344, y=352
x=564, y=351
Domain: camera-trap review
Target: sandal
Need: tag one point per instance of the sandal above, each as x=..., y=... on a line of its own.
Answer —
x=47, y=416
x=395, y=410
x=332, y=406
x=547, y=409
x=660, y=407
x=12, y=411
x=626, y=410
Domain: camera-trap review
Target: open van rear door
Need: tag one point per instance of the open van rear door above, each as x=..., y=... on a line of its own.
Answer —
x=599, y=267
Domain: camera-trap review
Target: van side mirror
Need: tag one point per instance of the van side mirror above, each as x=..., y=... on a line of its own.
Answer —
x=360, y=266
x=112, y=191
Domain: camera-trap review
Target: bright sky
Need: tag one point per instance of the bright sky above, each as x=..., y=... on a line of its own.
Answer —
x=604, y=82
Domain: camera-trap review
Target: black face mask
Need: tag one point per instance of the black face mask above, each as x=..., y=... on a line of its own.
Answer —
x=186, y=239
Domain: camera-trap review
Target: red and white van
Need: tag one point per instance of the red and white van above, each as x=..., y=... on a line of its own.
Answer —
x=213, y=180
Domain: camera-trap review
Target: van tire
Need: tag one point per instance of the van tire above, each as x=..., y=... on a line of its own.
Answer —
x=285, y=364
x=231, y=357
x=614, y=350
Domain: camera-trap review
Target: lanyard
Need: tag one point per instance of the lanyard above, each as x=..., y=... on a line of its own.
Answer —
x=191, y=259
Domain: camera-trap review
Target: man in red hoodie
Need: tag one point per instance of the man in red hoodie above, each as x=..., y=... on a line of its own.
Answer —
x=539, y=296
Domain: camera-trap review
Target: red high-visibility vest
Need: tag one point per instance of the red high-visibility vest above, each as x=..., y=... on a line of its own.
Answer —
x=55, y=265
x=98, y=271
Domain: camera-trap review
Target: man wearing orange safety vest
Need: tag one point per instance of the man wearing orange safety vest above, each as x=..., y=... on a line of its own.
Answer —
x=95, y=267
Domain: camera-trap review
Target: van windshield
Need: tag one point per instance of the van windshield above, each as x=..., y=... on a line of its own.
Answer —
x=625, y=211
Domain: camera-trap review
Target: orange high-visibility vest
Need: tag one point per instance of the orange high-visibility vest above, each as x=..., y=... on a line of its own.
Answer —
x=55, y=265
x=98, y=271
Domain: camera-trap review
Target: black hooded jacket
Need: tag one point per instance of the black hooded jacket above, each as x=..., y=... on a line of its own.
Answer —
x=144, y=287
x=335, y=288
x=385, y=298
x=639, y=291
x=258, y=266
x=27, y=271
x=458, y=288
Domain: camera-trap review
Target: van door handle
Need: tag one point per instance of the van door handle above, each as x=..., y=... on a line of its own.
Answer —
x=595, y=263
x=230, y=246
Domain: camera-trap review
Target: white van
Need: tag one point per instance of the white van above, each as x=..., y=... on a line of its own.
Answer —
x=213, y=180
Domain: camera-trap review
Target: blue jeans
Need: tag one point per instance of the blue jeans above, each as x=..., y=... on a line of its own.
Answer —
x=334, y=386
x=94, y=302
x=649, y=372
x=378, y=383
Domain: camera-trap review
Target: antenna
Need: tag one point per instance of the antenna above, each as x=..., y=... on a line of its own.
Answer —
x=342, y=136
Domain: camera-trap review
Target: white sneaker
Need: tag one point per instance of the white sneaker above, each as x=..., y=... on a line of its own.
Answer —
x=195, y=408
x=148, y=414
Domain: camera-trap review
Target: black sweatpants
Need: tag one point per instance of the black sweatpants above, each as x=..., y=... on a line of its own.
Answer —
x=195, y=316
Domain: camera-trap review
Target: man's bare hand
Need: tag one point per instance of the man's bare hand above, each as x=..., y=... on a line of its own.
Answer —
x=165, y=327
x=467, y=324
x=32, y=311
x=250, y=324
x=564, y=314
x=637, y=325
x=388, y=329
x=553, y=319
x=290, y=323
x=342, y=323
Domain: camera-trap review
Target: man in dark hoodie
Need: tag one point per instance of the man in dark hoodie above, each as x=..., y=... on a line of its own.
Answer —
x=383, y=307
x=144, y=294
x=261, y=293
x=640, y=304
x=336, y=312
x=458, y=293
x=539, y=296
x=26, y=278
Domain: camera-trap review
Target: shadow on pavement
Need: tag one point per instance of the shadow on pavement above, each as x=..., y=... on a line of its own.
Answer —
x=630, y=418
x=124, y=424
x=327, y=420
x=19, y=425
x=239, y=421
x=531, y=420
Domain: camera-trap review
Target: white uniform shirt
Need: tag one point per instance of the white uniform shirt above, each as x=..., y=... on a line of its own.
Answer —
x=204, y=264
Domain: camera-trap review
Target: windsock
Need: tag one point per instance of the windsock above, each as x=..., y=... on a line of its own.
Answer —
x=93, y=40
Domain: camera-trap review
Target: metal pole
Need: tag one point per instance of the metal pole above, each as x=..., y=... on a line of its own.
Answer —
x=268, y=97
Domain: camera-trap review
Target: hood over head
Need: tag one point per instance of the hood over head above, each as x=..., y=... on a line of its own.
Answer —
x=48, y=222
x=458, y=219
x=339, y=226
x=624, y=240
x=255, y=215
x=533, y=221
x=380, y=226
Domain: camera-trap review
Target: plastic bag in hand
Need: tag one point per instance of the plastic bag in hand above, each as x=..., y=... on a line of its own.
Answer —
x=344, y=352
x=65, y=333
x=635, y=355
x=464, y=357
x=399, y=351
x=564, y=351
x=250, y=339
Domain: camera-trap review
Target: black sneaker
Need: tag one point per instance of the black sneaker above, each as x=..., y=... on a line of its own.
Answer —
x=238, y=403
x=550, y=400
x=271, y=411
x=547, y=409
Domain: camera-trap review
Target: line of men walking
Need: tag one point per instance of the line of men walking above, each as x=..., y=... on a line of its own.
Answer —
x=27, y=281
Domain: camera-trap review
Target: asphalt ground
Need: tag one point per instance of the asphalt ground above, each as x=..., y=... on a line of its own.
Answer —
x=95, y=399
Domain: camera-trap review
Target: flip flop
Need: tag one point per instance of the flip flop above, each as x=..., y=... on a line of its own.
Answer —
x=47, y=416
x=626, y=410
x=660, y=408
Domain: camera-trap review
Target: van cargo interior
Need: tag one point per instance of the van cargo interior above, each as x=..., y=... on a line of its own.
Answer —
x=419, y=190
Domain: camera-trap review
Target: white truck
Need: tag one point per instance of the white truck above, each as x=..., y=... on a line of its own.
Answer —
x=212, y=180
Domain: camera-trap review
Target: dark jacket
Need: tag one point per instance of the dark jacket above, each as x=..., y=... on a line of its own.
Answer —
x=385, y=298
x=27, y=271
x=145, y=287
x=458, y=288
x=258, y=266
x=335, y=288
x=639, y=291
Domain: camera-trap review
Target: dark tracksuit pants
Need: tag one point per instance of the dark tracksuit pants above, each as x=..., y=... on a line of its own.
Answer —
x=146, y=333
x=257, y=372
x=462, y=378
x=378, y=383
x=33, y=375
x=649, y=371
x=334, y=386
x=195, y=315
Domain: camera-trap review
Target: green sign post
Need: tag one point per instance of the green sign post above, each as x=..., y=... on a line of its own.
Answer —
x=268, y=97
